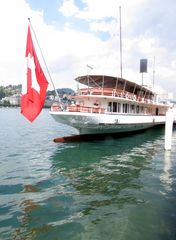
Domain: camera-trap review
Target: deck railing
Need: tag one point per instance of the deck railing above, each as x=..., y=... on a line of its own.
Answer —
x=76, y=108
x=114, y=93
x=85, y=109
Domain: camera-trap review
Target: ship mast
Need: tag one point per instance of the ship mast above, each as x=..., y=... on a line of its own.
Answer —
x=120, y=42
x=120, y=46
x=153, y=71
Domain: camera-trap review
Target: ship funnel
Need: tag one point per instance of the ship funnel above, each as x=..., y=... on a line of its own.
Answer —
x=143, y=65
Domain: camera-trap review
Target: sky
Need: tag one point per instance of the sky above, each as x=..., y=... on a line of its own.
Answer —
x=75, y=33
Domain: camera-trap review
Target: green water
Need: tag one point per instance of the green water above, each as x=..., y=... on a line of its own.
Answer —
x=114, y=189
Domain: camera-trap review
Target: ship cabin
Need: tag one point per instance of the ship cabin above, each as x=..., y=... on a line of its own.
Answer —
x=111, y=95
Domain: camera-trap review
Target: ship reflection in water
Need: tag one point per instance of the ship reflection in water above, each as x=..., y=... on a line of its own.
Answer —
x=111, y=188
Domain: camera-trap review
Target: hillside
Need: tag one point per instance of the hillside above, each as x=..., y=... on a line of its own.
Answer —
x=11, y=90
x=61, y=92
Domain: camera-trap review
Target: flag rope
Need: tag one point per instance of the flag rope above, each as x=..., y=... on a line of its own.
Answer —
x=58, y=98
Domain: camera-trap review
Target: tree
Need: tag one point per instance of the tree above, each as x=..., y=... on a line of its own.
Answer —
x=2, y=93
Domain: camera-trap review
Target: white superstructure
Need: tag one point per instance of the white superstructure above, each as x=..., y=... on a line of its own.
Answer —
x=110, y=105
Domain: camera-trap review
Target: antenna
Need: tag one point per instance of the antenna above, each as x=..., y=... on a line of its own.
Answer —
x=89, y=68
x=44, y=61
x=120, y=42
x=153, y=71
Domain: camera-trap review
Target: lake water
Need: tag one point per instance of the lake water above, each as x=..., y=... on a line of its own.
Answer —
x=116, y=189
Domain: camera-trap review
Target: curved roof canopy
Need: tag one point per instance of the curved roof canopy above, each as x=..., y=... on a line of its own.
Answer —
x=111, y=82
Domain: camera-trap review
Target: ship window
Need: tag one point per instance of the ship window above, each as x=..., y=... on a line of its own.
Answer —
x=157, y=111
x=125, y=107
x=132, y=108
x=109, y=107
x=114, y=107
x=119, y=107
x=128, y=107
x=137, y=109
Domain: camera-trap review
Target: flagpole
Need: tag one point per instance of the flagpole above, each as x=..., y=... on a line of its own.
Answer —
x=44, y=61
x=120, y=25
x=153, y=71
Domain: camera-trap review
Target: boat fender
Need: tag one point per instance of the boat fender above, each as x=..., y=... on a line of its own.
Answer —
x=116, y=121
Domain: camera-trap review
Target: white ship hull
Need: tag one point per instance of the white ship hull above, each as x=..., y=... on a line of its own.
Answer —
x=111, y=105
x=92, y=123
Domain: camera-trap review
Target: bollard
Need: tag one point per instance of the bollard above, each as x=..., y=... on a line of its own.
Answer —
x=168, y=129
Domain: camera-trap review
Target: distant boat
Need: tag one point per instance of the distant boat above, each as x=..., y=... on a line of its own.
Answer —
x=111, y=105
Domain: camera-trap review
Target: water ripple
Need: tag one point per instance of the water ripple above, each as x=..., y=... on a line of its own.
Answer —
x=93, y=190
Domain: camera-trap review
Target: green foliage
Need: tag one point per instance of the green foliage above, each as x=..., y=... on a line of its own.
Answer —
x=10, y=90
x=2, y=93
x=6, y=103
x=61, y=91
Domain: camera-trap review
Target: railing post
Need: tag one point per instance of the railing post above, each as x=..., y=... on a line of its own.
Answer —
x=168, y=129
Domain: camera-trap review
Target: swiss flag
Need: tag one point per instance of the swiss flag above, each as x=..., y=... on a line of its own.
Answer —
x=33, y=100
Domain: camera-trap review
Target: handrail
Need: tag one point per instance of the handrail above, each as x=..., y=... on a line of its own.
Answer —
x=114, y=93
x=85, y=109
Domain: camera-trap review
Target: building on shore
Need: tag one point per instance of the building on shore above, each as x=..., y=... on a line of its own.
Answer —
x=13, y=100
